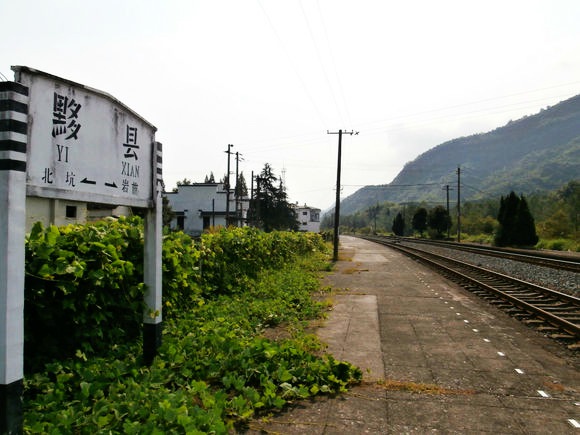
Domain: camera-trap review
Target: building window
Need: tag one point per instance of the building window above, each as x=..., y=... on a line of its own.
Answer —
x=205, y=222
x=71, y=211
x=304, y=213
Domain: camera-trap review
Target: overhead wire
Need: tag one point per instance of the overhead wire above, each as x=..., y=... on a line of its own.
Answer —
x=292, y=63
x=312, y=138
x=318, y=55
x=330, y=52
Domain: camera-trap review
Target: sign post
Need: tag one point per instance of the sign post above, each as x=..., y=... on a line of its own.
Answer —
x=152, y=317
x=63, y=140
x=13, y=140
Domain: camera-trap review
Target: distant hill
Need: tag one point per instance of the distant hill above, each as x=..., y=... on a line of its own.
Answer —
x=536, y=153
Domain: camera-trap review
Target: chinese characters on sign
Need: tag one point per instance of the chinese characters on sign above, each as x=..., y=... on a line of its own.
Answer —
x=65, y=122
x=65, y=114
x=87, y=146
x=129, y=165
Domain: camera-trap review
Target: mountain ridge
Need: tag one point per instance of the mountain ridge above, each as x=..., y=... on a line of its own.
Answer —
x=535, y=153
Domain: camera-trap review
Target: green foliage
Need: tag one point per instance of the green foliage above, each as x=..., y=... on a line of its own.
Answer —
x=215, y=367
x=555, y=213
x=399, y=225
x=231, y=257
x=439, y=220
x=516, y=224
x=419, y=222
x=559, y=245
x=269, y=209
x=84, y=288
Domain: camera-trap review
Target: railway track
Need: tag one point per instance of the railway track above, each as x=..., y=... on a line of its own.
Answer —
x=553, y=313
x=539, y=258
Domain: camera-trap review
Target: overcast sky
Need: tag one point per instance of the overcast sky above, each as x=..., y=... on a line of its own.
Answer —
x=272, y=77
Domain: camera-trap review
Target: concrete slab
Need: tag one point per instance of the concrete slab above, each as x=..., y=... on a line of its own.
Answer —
x=446, y=361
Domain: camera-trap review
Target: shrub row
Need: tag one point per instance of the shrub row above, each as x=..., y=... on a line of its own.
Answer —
x=84, y=285
x=215, y=367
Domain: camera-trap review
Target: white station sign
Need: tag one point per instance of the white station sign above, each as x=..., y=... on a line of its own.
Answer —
x=85, y=145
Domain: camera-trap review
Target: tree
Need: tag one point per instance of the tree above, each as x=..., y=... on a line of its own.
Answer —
x=439, y=220
x=168, y=213
x=419, y=221
x=373, y=212
x=516, y=223
x=241, y=189
x=210, y=178
x=269, y=209
x=184, y=182
x=399, y=225
x=525, y=227
x=570, y=196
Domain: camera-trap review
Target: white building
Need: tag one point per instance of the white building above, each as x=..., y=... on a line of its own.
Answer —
x=200, y=206
x=308, y=218
x=63, y=212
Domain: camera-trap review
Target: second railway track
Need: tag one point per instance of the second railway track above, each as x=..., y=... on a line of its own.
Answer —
x=553, y=313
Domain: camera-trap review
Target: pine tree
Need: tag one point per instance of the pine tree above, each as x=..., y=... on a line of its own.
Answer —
x=439, y=220
x=525, y=227
x=516, y=223
x=399, y=225
x=270, y=209
x=241, y=189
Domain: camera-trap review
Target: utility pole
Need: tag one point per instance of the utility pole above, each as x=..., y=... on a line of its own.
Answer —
x=458, y=204
x=257, y=201
x=237, y=190
x=448, y=215
x=337, y=206
x=227, y=180
x=252, y=204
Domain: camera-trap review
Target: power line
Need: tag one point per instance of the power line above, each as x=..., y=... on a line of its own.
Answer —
x=471, y=103
x=385, y=186
x=317, y=50
x=292, y=63
x=340, y=87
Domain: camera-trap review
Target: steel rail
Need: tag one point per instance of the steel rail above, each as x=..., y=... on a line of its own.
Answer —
x=561, y=262
x=520, y=287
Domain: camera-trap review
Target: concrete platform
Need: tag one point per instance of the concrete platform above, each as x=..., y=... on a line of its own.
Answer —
x=436, y=359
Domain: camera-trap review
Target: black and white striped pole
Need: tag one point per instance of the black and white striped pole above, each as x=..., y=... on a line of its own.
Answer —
x=152, y=317
x=13, y=144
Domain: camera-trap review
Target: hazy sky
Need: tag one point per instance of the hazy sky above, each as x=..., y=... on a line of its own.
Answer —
x=272, y=77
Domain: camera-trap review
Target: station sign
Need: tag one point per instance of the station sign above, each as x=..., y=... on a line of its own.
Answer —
x=63, y=140
x=85, y=145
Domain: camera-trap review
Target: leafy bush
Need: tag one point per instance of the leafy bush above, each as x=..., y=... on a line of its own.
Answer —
x=559, y=245
x=214, y=369
x=84, y=289
x=84, y=286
